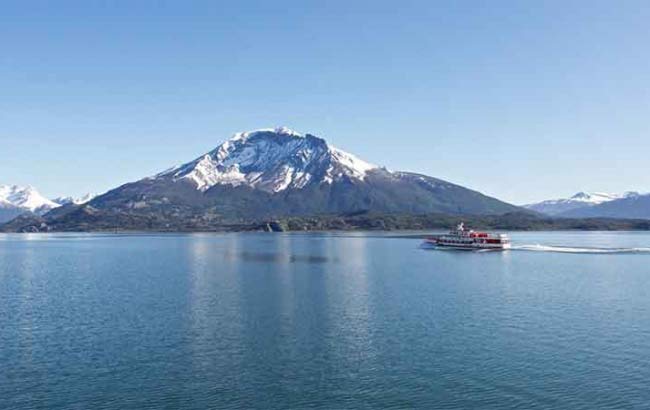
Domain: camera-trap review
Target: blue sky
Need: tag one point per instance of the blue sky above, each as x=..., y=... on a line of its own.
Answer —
x=522, y=100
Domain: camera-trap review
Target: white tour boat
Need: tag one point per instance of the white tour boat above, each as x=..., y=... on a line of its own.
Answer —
x=460, y=238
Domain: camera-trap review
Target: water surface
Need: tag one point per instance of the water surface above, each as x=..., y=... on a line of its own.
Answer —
x=326, y=321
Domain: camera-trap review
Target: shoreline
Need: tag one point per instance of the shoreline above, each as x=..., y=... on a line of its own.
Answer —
x=398, y=233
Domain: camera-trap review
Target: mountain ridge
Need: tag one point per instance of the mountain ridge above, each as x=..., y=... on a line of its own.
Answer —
x=631, y=206
x=556, y=207
x=271, y=173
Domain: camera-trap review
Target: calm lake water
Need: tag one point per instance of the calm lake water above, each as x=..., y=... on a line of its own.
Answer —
x=325, y=321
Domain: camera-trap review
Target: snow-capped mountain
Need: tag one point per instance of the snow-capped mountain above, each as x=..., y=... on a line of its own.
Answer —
x=632, y=205
x=67, y=200
x=25, y=197
x=265, y=174
x=577, y=201
x=15, y=200
x=271, y=160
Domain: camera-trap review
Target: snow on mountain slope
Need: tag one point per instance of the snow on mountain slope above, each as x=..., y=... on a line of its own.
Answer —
x=65, y=200
x=635, y=206
x=16, y=200
x=579, y=200
x=26, y=198
x=597, y=197
x=271, y=160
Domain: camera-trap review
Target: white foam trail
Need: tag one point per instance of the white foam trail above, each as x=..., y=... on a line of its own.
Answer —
x=568, y=249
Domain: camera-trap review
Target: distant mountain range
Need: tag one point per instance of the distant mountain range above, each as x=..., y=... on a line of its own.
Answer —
x=596, y=205
x=270, y=174
x=265, y=174
x=17, y=200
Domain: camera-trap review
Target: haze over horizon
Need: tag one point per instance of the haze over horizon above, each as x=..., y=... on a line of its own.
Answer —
x=523, y=102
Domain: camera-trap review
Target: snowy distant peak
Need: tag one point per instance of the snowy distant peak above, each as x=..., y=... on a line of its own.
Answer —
x=594, y=197
x=66, y=200
x=272, y=160
x=579, y=200
x=600, y=197
x=589, y=197
x=26, y=198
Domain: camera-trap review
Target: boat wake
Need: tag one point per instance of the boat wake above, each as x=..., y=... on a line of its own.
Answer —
x=568, y=249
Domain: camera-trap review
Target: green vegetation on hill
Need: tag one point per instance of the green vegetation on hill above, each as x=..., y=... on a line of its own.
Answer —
x=88, y=219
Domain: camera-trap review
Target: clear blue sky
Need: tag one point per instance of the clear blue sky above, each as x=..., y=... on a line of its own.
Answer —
x=523, y=100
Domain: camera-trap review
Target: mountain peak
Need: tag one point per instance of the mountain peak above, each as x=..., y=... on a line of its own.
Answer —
x=580, y=195
x=581, y=199
x=262, y=175
x=272, y=160
x=277, y=130
x=594, y=197
x=67, y=200
x=25, y=197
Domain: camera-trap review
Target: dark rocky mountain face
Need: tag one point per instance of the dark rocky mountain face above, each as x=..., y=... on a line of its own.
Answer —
x=270, y=174
x=380, y=191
